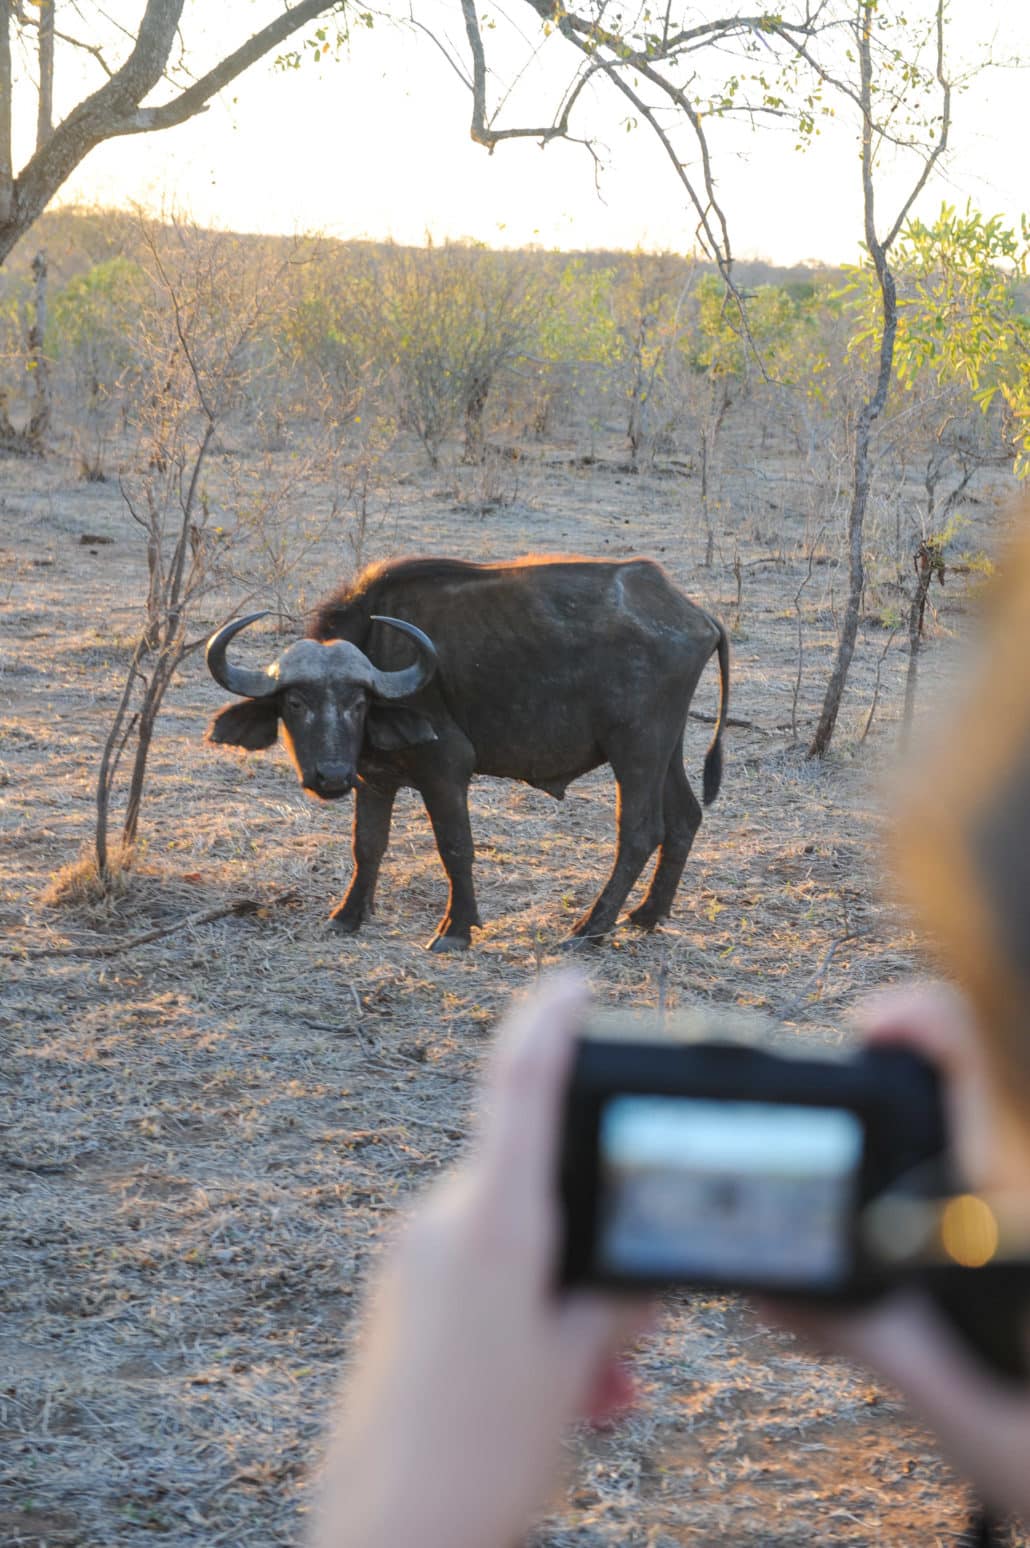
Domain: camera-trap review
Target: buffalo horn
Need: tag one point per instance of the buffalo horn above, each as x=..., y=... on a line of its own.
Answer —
x=398, y=685
x=246, y=681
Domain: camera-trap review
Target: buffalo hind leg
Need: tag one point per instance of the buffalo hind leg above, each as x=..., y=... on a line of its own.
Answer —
x=639, y=816
x=682, y=816
x=447, y=805
x=373, y=810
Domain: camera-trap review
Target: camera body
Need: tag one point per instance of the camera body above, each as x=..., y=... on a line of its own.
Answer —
x=730, y=1166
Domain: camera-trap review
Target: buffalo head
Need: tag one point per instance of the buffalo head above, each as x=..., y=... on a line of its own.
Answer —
x=329, y=698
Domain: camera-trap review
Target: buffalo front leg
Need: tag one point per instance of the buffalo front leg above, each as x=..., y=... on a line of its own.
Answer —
x=371, y=834
x=681, y=812
x=640, y=831
x=447, y=805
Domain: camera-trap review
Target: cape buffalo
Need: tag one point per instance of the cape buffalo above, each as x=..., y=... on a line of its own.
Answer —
x=538, y=669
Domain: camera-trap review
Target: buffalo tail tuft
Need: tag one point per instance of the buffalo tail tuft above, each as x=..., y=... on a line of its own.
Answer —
x=713, y=772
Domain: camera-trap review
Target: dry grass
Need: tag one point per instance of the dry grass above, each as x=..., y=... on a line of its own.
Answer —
x=205, y=1137
x=80, y=886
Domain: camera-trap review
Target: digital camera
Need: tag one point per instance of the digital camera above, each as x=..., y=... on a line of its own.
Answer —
x=719, y=1164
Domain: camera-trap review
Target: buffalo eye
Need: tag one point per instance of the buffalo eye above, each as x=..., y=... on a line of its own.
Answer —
x=294, y=700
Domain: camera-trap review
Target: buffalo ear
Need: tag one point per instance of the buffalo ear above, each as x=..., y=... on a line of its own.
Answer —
x=253, y=724
x=389, y=728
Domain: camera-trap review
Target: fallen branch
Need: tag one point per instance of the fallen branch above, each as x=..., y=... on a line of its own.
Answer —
x=239, y=906
x=816, y=981
x=876, y=689
x=341, y=1029
x=731, y=720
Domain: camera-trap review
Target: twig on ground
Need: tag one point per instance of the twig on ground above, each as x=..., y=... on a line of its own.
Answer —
x=339, y=1028
x=731, y=720
x=816, y=981
x=801, y=634
x=876, y=688
x=207, y=916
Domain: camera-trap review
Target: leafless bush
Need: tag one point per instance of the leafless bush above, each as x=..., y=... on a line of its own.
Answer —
x=204, y=309
x=23, y=321
x=449, y=320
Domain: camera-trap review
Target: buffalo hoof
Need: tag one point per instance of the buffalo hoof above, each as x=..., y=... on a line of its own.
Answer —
x=448, y=943
x=581, y=943
x=644, y=918
x=344, y=924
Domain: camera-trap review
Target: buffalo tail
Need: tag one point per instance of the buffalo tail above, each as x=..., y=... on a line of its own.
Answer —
x=713, y=757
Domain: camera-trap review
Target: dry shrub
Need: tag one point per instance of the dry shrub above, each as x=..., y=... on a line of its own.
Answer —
x=79, y=884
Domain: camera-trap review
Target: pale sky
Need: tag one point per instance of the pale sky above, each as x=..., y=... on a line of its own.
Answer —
x=377, y=145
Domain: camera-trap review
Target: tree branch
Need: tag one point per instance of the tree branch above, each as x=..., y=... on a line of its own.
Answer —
x=45, y=113
x=480, y=129
x=196, y=98
x=115, y=107
x=237, y=906
x=87, y=48
x=942, y=138
x=6, y=163
x=93, y=120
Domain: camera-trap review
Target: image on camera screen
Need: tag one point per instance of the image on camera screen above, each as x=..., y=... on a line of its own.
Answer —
x=735, y=1192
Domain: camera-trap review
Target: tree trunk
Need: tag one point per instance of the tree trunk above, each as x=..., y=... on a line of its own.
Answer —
x=926, y=568
x=6, y=81
x=113, y=748
x=149, y=709
x=475, y=404
x=718, y=404
x=705, y=513
x=873, y=407
x=45, y=114
x=114, y=108
x=39, y=420
x=637, y=398
x=870, y=410
x=856, y=576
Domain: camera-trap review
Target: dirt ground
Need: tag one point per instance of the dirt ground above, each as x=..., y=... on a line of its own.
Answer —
x=204, y=1139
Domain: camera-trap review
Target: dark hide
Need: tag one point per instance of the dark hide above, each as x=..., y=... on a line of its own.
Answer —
x=252, y=724
x=389, y=727
x=547, y=668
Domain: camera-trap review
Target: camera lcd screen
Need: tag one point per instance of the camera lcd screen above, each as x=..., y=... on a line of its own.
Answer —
x=734, y=1192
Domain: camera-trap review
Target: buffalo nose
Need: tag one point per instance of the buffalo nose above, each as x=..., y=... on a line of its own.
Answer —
x=333, y=779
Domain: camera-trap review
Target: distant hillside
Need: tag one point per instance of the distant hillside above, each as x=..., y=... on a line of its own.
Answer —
x=75, y=239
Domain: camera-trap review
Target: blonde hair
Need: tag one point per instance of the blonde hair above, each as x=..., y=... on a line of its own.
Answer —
x=960, y=836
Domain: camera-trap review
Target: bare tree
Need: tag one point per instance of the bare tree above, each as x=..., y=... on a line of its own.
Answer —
x=790, y=63
x=45, y=107
x=6, y=151
x=677, y=76
x=29, y=438
x=647, y=302
x=448, y=321
x=119, y=105
x=205, y=312
x=876, y=131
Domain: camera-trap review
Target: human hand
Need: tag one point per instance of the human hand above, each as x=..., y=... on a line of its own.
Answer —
x=983, y=1423
x=991, y=1143
x=471, y=1368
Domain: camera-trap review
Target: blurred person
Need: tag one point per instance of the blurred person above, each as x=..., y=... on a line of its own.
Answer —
x=982, y=1420
x=470, y=1369
x=959, y=850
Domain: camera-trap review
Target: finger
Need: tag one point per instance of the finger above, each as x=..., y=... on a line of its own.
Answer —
x=596, y=1332
x=826, y=1332
x=527, y=1085
x=983, y=1424
x=990, y=1142
x=613, y=1395
x=931, y=1018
